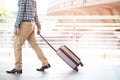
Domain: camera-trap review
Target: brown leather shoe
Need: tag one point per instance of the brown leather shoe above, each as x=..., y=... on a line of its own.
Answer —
x=44, y=67
x=14, y=71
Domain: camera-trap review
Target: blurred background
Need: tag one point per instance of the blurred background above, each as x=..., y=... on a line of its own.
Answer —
x=90, y=28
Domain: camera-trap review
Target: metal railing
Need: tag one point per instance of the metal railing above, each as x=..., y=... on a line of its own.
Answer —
x=81, y=32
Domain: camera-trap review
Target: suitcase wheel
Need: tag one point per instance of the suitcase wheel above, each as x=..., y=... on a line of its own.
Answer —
x=81, y=63
x=76, y=69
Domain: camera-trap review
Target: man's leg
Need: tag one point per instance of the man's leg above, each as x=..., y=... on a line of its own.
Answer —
x=20, y=38
x=39, y=52
x=23, y=33
x=37, y=49
x=18, y=53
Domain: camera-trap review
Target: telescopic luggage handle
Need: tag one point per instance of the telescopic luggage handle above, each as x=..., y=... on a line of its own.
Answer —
x=48, y=43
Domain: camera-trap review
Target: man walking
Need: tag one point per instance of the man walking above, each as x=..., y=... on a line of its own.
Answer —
x=25, y=30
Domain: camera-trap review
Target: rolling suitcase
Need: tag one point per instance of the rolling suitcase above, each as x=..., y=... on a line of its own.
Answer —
x=67, y=56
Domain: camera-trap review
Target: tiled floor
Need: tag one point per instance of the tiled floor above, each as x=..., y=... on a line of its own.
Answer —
x=94, y=69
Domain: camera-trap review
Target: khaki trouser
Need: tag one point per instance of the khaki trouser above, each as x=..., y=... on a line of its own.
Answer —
x=27, y=32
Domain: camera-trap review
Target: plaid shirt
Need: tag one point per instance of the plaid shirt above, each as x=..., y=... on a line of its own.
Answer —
x=28, y=13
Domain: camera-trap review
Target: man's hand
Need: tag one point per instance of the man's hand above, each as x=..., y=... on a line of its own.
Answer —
x=38, y=31
x=16, y=31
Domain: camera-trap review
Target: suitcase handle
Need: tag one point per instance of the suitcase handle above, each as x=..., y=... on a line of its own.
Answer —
x=48, y=43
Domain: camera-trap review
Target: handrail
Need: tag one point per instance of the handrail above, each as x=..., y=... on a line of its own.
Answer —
x=73, y=31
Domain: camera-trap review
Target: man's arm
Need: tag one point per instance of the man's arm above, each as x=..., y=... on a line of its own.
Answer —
x=36, y=17
x=20, y=13
x=19, y=16
x=37, y=21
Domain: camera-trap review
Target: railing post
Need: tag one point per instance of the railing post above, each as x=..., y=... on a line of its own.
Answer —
x=74, y=33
